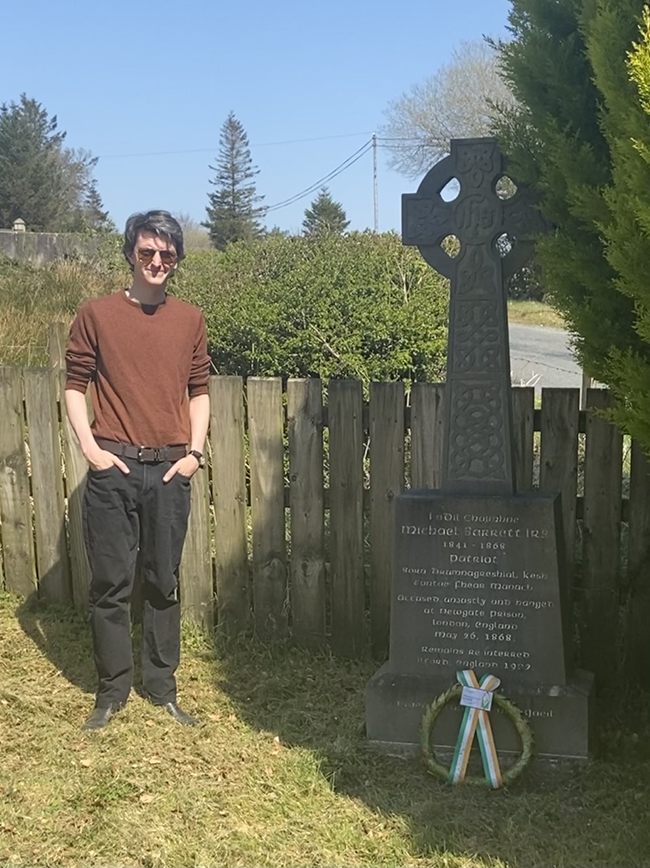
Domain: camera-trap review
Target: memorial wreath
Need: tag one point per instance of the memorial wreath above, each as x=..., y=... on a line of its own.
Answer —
x=476, y=718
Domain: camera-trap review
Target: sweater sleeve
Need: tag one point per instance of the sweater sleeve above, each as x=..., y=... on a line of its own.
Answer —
x=200, y=370
x=81, y=354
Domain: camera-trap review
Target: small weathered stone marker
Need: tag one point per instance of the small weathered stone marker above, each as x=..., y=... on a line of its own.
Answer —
x=478, y=578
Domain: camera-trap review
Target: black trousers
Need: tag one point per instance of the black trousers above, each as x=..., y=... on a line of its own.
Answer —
x=122, y=513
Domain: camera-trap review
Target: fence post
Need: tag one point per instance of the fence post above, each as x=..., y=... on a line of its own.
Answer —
x=197, y=594
x=76, y=472
x=229, y=495
x=345, y=409
x=267, y=504
x=57, y=340
x=523, y=410
x=386, y=481
x=427, y=425
x=638, y=614
x=15, y=508
x=602, y=517
x=586, y=383
x=47, y=484
x=560, y=419
x=305, y=430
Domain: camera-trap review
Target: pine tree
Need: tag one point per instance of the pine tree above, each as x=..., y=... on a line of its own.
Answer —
x=40, y=181
x=31, y=178
x=95, y=217
x=233, y=214
x=324, y=216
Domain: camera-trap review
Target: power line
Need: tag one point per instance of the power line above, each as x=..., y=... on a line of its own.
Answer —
x=351, y=160
x=213, y=149
x=342, y=167
x=312, y=187
x=393, y=144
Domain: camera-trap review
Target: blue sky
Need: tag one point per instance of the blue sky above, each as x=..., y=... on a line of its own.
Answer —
x=128, y=79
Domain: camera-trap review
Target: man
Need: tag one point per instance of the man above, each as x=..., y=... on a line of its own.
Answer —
x=145, y=354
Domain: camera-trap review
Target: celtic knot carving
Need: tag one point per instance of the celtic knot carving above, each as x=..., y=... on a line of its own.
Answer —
x=477, y=339
x=424, y=221
x=477, y=218
x=474, y=163
x=476, y=448
x=477, y=271
x=478, y=416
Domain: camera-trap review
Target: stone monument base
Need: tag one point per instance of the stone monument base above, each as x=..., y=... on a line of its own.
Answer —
x=559, y=716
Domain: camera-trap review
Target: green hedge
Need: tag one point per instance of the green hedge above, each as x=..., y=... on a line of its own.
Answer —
x=360, y=305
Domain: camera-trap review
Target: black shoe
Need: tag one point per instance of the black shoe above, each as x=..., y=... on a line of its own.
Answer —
x=100, y=717
x=179, y=715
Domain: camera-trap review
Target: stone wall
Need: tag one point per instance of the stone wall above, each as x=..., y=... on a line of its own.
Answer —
x=40, y=248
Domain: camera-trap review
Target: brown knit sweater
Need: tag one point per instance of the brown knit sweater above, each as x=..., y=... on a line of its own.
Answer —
x=144, y=363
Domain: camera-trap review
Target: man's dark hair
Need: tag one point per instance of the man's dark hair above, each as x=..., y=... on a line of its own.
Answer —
x=158, y=223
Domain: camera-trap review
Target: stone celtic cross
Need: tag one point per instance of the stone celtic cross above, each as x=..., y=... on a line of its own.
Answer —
x=495, y=237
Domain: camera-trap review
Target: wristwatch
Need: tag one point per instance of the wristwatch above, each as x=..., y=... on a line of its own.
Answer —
x=199, y=457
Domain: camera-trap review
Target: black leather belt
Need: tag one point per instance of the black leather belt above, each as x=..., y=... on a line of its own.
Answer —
x=143, y=454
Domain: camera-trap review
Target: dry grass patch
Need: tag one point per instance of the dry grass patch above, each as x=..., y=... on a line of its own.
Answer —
x=535, y=313
x=32, y=298
x=279, y=773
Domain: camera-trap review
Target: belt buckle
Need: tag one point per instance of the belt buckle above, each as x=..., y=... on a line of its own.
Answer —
x=147, y=454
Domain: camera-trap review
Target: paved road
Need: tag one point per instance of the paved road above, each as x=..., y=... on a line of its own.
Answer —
x=540, y=356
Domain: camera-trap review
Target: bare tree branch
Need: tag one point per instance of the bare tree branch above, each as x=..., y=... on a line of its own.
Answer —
x=459, y=101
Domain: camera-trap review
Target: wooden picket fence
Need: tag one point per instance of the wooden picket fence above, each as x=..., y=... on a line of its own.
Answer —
x=291, y=526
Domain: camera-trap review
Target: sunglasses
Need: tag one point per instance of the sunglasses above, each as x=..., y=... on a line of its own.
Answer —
x=146, y=255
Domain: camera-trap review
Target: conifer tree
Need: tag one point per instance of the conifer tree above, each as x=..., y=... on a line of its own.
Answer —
x=324, y=216
x=572, y=139
x=94, y=215
x=233, y=213
x=619, y=48
x=42, y=182
x=581, y=70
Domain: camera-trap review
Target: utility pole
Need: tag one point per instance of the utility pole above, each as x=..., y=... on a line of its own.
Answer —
x=374, y=178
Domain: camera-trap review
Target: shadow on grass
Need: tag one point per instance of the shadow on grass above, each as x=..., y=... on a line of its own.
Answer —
x=592, y=815
x=63, y=637
x=596, y=814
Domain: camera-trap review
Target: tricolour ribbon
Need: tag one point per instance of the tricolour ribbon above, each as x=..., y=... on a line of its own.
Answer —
x=473, y=719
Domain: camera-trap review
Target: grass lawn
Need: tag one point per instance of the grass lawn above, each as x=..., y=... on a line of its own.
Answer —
x=534, y=313
x=279, y=774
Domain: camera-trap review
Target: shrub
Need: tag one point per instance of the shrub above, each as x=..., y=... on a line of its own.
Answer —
x=360, y=306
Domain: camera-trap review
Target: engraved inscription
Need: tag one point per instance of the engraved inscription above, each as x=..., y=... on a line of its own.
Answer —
x=474, y=590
